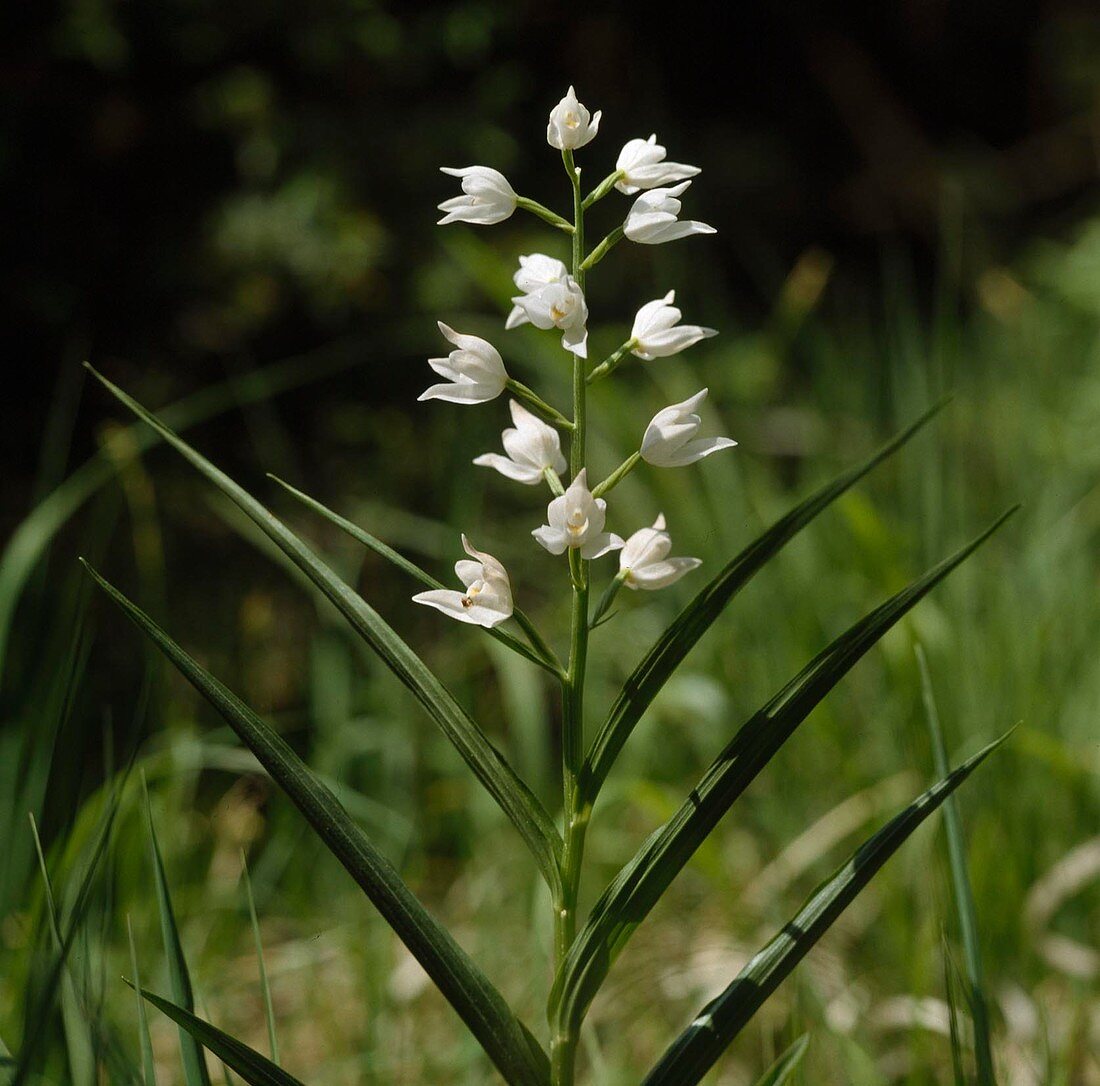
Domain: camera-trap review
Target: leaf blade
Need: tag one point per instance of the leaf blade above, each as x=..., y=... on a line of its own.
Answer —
x=179, y=977
x=640, y=883
x=787, y=1064
x=507, y=1042
x=676, y=642
x=490, y=767
x=254, y=1068
x=694, y=1052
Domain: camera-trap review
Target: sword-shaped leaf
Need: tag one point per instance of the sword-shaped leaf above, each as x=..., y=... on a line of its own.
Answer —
x=255, y=1069
x=694, y=1052
x=508, y=1043
x=786, y=1065
x=490, y=767
x=638, y=886
x=680, y=638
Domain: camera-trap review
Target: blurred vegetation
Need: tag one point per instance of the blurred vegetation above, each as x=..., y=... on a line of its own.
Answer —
x=236, y=202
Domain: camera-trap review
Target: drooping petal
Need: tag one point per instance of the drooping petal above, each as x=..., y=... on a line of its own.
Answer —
x=596, y=546
x=509, y=468
x=453, y=605
x=553, y=539
x=661, y=574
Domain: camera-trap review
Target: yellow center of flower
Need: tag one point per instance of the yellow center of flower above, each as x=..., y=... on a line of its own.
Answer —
x=576, y=523
x=572, y=120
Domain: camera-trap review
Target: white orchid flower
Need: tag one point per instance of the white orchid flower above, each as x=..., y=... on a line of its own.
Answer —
x=657, y=332
x=642, y=165
x=644, y=561
x=576, y=520
x=536, y=270
x=571, y=126
x=670, y=440
x=652, y=219
x=475, y=370
x=559, y=304
x=487, y=600
x=533, y=448
x=488, y=197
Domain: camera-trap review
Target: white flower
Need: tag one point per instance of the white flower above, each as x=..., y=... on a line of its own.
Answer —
x=644, y=561
x=559, y=304
x=487, y=600
x=670, y=441
x=570, y=125
x=488, y=197
x=536, y=270
x=475, y=370
x=652, y=219
x=642, y=165
x=576, y=520
x=532, y=448
x=657, y=332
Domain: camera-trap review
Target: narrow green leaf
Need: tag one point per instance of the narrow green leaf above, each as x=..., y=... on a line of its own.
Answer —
x=510, y=1046
x=639, y=885
x=694, y=1052
x=179, y=978
x=677, y=641
x=787, y=1064
x=265, y=988
x=383, y=550
x=963, y=894
x=255, y=1069
x=951, y=982
x=148, y=1063
x=514, y=797
x=78, y=1040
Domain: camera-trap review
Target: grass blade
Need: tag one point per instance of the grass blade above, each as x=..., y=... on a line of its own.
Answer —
x=951, y=981
x=265, y=988
x=510, y=1046
x=255, y=1069
x=179, y=978
x=373, y=543
x=694, y=1052
x=676, y=642
x=787, y=1064
x=962, y=892
x=148, y=1063
x=639, y=885
x=514, y=797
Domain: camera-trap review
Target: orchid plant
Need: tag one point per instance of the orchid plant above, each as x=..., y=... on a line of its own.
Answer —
x=551, y=296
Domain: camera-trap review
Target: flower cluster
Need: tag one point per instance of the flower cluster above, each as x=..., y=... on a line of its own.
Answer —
x=550, y=295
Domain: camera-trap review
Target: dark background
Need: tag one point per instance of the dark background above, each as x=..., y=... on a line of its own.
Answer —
x=194, y=187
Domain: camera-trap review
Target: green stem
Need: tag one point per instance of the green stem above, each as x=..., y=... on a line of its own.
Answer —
x=563, y=1046
x=611, y=363
x=538, y=642
x=537, y=404
x=553, y=481
x=618, y=475
x=544, y=213
x=603, y=248
x=602, y=189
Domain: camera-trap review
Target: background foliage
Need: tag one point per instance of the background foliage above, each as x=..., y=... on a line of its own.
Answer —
x=906, y=203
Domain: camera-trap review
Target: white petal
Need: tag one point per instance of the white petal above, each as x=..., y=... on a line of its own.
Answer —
x=597, y=545
x=460, y=393
x=553, y=539
x=450, y=603
x=697, y=450
x=661, y=574
x=521, y=473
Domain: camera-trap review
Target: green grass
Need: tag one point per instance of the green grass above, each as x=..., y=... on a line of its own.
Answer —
x=1010, y=637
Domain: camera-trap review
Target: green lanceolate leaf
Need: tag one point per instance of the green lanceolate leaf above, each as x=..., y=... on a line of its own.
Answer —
x=265, y=988
x=255, y=1069
x=508, y=1043
x=412, y=569
x=786, y=1065
x=639, y=885
x=179, y=977
x=148, y=1063
x=962, y=892
x=490, y=767
x=693, y=1053
x=697, y=617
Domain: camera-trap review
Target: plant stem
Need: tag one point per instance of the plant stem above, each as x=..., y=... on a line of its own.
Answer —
x=609, y=364
x=544, y=213
x=563, y=1047
x=603, y=248
x=602, y=189
x=618, y=475
x=537, y=404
